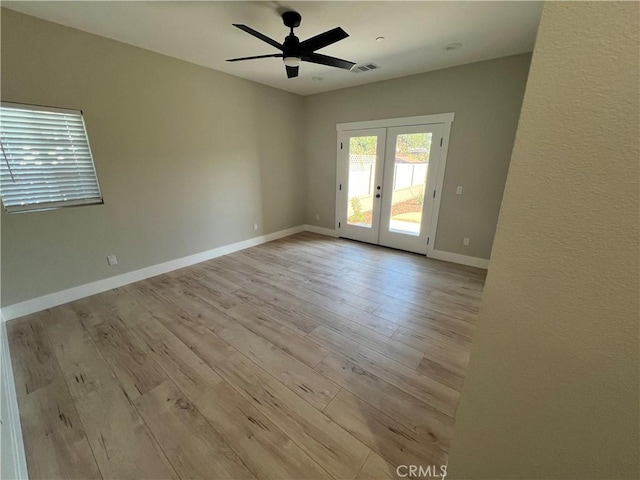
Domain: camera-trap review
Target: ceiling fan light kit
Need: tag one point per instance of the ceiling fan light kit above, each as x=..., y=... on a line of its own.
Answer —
x=292, y=61
x=294, y=52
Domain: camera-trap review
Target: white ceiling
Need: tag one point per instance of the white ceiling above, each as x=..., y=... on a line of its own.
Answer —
x=202, y=33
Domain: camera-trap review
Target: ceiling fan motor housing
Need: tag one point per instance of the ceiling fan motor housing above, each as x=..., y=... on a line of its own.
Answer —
x=291, y=42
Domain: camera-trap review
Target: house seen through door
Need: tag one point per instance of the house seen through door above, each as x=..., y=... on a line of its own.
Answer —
x=388, y=181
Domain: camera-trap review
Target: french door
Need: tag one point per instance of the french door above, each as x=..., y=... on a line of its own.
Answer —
x=387, y=184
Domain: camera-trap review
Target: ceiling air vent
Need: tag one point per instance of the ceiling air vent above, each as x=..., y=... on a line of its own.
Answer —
x=365, y=67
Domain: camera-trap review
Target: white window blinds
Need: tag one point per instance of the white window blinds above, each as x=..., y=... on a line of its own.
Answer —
x=46, y=160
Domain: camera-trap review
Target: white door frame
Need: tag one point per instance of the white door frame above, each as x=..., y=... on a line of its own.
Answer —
x=446, y=119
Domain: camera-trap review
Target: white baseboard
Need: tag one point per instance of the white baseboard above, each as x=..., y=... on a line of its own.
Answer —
x=458, y=258
x=437, y=254
x=65, y=296
x=329, y=232
x=13, y=462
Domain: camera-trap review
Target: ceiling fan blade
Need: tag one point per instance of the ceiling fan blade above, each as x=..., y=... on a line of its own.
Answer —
x=292, y=72
x=262, y=37
x=322, y=40
x=253, y=58
x=330, y=61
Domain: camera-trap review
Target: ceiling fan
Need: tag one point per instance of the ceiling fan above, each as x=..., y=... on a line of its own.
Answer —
x=294, y=51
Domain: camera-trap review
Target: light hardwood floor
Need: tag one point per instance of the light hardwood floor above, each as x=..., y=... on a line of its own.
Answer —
x=303, y=358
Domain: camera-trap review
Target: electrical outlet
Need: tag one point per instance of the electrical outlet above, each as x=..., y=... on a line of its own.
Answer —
x=465, y=242
x=255, y=226
x=317, y=216
x=458, y=190
x=112, y=260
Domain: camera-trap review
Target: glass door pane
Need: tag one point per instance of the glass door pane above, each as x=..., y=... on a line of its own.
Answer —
x=362, y=171
x=411, y=164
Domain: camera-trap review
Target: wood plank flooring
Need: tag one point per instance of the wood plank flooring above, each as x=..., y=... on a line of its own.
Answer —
x=303, y=358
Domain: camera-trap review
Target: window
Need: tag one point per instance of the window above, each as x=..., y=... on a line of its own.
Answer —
x=46, y=159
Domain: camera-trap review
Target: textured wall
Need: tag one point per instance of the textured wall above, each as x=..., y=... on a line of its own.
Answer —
x=552, y=388
x=188, y=158
x=486, y=98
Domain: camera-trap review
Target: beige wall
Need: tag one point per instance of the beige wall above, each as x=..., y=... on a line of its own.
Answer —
x=486, y=98
x=552, y=388
x=188, y=158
